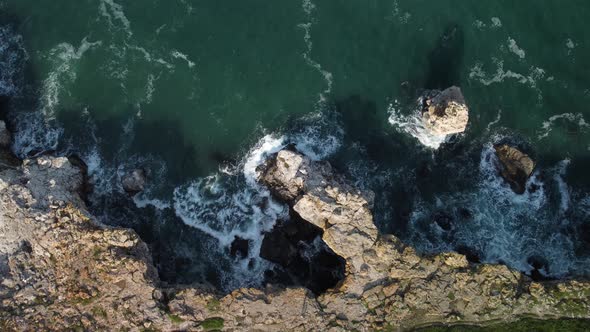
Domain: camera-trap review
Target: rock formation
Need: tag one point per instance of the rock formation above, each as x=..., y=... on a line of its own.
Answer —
x=445, y=112
x=62, y=270
x=515, y=167
x=134, y=181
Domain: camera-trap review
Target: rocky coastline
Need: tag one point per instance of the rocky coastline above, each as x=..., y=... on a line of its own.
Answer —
x=63, y=270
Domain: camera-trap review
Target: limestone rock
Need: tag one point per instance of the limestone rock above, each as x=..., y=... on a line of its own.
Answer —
x=134, y=181
x=284, y=176
x=446, y=112
x=515, y=167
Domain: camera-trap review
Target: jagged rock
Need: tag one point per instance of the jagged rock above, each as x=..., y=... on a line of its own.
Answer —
x=283, y=176
x=515, y=167
x=134, y=182
x=446, y=112
x=5, y=136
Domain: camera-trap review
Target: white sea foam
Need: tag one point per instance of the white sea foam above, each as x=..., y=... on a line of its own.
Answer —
x=268, y=145
x=496, y=22
x=149, y=89
x=319, y=138
x=577, y=118
x=500, y=75
x=178, y=55
x=413, y=125
x=504, y=226
x=148, y=56
x=141, y=201
x=398, y=15
x=495, y=122
x=34, y=134
x=513, y=47
x=113, y=12
x=564, y=192
x=64, y=59
x=308, y=7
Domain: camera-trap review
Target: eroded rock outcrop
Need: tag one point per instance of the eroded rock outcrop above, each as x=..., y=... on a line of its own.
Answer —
x=134, y=182
x=62, y=270
x=446, y=112
x=387, y=283
x=515, y=167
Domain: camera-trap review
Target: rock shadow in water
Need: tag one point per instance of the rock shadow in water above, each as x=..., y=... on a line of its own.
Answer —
x=446, y=59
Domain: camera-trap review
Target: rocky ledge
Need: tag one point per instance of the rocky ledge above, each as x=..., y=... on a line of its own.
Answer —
x=62, y=270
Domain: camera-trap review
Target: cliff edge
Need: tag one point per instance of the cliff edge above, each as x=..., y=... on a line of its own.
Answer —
x=61, y=269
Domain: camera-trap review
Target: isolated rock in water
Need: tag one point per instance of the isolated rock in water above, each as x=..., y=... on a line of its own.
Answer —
x=515, y=167
x=446, y=112
x=5, y=137
x=134, y=181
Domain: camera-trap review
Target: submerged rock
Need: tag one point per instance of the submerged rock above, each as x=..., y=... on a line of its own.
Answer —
x=515, y=167
x=446, y=112
x=5, y=136
x=135, y=181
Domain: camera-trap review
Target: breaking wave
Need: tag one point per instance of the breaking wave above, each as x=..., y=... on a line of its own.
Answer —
x=413, y=125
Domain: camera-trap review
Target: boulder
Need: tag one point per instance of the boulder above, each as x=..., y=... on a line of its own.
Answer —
x=135, y=181
x=445, y=112
x=5, y=137
x=515, y=167
x=282, y=175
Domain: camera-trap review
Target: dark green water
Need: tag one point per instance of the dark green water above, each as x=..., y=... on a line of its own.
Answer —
x=191, y=90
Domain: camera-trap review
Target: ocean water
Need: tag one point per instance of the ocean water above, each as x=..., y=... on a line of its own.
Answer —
x=200, y=92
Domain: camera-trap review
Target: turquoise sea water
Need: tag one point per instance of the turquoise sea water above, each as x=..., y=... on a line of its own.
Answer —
x=198, y=92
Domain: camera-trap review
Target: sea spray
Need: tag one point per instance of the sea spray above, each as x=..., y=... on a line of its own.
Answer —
x=413, y=125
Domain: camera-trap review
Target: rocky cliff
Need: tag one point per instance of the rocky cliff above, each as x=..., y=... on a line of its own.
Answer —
x=61, y=269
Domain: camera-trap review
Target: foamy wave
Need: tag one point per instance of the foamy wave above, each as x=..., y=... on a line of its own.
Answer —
x=320, y=137
x=413, y=125
x=484, y=78
x=577, y=118
x=178, y=55
x=64, y=58
x=112, y=11
x=308, y=7
x=34, y=134
x=513, y=47
x=226, y=207
x=495, y=122
x=564, y=192
x=398, y=15
x=502, y=226
x=268, y=145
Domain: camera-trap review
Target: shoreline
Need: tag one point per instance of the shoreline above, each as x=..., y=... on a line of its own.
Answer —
x=202, y=308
